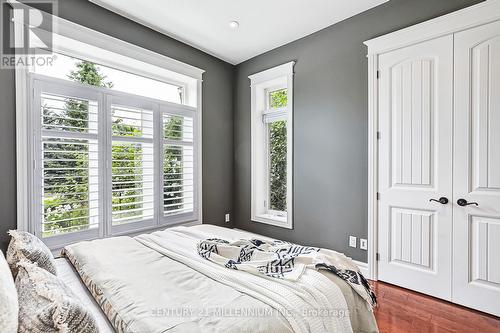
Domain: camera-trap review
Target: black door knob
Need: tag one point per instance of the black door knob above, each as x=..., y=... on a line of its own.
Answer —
x=442, y=200
x=463, y=203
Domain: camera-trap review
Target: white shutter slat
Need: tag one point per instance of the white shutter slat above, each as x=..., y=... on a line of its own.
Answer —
x=178, y=164
x=178, y=128
x=69, y=114
x=132, y=122
x=69, y=221
x=69, y=164
x=132, y=165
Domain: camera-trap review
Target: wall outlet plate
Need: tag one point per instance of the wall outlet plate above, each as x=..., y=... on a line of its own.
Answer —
x=228, y=218
x=352, y=241
x=363, y=244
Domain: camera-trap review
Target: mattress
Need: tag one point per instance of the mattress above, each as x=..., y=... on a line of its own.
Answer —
x=70, y=277
x=141, y=290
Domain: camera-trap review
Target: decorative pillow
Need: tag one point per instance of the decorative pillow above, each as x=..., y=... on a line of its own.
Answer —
x=24, y=245
x=9, y=307
x=47, y=305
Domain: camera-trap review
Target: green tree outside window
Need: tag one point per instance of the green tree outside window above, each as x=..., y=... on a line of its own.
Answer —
x=66, y=204
x=277, y=134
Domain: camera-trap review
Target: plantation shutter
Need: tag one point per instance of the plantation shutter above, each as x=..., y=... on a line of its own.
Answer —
x=67, y=161
x=132, y=162
x=178, y=164
x=109, y=163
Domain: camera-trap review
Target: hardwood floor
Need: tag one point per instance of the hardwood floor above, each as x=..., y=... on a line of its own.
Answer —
x=404, y=311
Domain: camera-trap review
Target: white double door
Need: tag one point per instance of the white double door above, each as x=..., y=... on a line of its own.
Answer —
x=439, y=168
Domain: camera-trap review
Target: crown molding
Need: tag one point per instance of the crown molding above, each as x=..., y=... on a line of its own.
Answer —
x=470, y=17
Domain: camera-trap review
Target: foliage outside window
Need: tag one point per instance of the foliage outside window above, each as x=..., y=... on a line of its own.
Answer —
x=173, y=165
x=278, y=99
x=277, y=134
x=68, y=200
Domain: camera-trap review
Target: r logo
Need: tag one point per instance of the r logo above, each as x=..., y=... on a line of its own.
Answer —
x=26, y=28
x=24, y=21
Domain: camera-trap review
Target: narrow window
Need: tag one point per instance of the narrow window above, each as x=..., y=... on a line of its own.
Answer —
x=271, y=146
x=277, y=151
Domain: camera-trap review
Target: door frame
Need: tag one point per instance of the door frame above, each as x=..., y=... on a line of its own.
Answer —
x=467, y=18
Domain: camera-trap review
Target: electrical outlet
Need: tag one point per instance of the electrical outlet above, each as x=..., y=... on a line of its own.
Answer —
x=352, y=241
x=228, y=218
x=363, y=244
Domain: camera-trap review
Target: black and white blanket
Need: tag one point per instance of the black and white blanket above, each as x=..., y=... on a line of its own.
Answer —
x=313, y=303
x=284, y=260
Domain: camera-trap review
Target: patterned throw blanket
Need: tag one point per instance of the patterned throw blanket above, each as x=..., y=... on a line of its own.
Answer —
x=283, y=260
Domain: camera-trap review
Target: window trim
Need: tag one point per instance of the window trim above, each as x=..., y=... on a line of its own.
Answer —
x=168, y=70
x=276, y=78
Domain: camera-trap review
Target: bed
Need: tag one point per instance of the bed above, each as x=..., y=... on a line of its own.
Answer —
x=137, y=285
x=68, y=274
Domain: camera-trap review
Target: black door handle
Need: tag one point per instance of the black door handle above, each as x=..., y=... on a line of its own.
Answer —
x=442, y=200
x=463, y=203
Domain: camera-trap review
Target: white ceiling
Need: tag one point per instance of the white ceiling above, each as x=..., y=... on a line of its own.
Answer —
x=264, y=24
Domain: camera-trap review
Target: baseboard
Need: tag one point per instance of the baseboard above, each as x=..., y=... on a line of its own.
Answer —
x=363, y=267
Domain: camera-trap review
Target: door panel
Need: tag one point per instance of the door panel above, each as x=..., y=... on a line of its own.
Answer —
x=476, y=232
x=415, y=163
x=411, y=84
x=411, y=237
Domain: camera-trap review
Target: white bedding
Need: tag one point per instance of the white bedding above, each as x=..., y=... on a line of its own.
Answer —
x=70, y=277
x=142, y=290
x=311, y=292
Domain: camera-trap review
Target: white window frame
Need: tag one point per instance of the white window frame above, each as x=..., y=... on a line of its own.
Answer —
x=68, y=40
x=280, y=77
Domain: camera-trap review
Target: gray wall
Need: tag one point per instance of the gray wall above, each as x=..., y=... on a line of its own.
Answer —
x=330, y=125
x=330, y=120
x=217, y=112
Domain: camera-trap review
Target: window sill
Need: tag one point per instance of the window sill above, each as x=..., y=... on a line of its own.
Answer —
x=278, y=221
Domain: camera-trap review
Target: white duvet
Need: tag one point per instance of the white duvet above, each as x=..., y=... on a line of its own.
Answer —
x=313, y=303
x=158, y=283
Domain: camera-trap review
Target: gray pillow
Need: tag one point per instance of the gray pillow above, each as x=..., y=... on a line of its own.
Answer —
x=24, y=245
x=47, y=305
x=9, y=307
